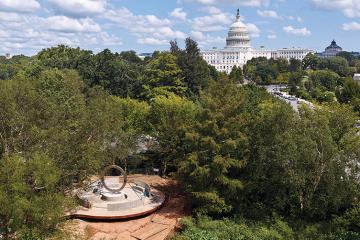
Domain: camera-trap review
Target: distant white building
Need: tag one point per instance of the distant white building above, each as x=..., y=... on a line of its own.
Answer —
x=291, y=53
x=8, y=56
x=331, y=51
x=238, y=50
x=142, y=56
x=357, y=77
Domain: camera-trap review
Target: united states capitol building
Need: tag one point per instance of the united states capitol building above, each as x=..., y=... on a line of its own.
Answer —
x=238, y=50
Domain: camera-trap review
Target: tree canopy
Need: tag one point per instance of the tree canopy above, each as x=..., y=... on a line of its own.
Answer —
x=251, y=166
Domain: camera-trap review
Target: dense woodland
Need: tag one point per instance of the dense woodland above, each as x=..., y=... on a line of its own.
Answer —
x=252, y=167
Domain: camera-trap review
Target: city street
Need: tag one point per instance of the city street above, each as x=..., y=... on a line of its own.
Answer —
x=292, y=100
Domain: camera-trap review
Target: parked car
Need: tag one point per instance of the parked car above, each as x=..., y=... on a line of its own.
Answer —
x=358, y=124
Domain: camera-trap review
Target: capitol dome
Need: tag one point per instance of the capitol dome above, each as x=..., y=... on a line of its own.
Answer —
x=333, y=46
x=238, y=35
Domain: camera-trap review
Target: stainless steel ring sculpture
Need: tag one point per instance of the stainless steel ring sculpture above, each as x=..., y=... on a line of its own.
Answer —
x=122, y=173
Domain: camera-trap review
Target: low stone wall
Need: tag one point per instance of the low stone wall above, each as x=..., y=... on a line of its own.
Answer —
x=125, y=205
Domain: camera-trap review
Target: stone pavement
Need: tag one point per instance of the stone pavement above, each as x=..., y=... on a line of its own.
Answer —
x=157, y=226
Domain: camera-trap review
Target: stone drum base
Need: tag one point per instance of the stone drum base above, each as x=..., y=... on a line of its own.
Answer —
x=135, y=199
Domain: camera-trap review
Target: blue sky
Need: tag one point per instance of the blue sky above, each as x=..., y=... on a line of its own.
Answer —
x=26, y=26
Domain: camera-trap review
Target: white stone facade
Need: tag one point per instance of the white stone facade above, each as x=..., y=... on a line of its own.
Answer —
x=238, y=50
x=291, y=53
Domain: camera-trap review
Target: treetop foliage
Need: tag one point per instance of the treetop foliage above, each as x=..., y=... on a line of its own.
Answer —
x=237, y=151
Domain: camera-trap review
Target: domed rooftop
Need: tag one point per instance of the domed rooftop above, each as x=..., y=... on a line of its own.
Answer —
x=237, y=23
x=334, y=46
x=238, y=36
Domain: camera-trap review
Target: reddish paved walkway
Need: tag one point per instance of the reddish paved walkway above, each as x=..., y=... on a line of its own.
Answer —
x=157, y=226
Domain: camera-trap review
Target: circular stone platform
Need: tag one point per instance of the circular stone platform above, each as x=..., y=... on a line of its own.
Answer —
x=135, y=199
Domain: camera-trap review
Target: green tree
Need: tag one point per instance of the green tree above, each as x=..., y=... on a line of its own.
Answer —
x=170, y=116
x=29, y=190
x=325, y=78
x=347, y=55
x=265, y=71
x=350, y=91
x=64, y=57
x=297, y=164
x=75, y=133
x=326, y=96
x=195, y=69
x=216, y=150
x=236, y=75
x=280, y=65
x=119, y=76
x=174, y=48
x=336, y=64
x=131, y=57
x=163, y=75
x=117, y=73
x=10, y=67
x=295, y=81
x=310, y=61
x=295, y=65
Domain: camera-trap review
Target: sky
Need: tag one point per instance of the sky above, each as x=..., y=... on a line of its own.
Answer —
x=27, y=26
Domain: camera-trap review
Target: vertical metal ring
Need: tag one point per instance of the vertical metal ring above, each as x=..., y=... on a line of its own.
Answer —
x=123, y=173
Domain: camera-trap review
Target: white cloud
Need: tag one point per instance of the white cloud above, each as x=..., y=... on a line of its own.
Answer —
x=350, y=8
x=167, y=32
x=268, y=14
x=179, y=14
x=28, y=33
x=136, y=23
x=26, y=38
x=300, y=19
x=212, y=23
x=297, y=31
x=78, y=8
x=70, y=25
x=205, y=40
x=109, y=40
x=10, y=17
x=198, y=36
x=152, y=41
x=24, y=6
x=149, y=29
x=293, y=18
x=272, y=36
x=249, y=3
x=211, y=10
x=3, y=34
x=353, y=26
x=215, y=22
x=254, y=31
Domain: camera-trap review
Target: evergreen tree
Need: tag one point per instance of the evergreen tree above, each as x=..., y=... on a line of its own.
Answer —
x=216, y=150
x=174, y=48
x=195, y=69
